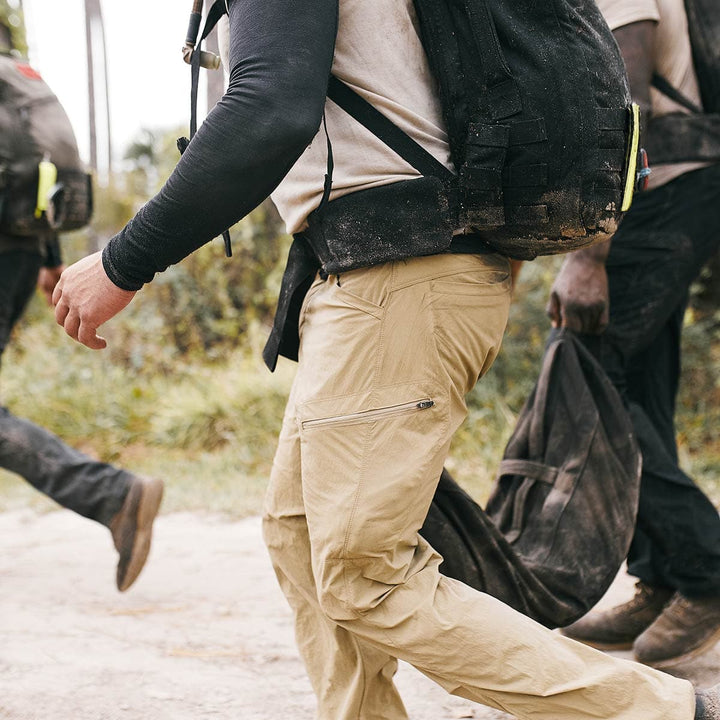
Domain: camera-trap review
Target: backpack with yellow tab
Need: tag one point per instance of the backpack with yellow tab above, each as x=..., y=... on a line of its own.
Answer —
x=44, y=185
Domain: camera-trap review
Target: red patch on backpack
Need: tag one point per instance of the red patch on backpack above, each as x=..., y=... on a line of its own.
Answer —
x=28, y=72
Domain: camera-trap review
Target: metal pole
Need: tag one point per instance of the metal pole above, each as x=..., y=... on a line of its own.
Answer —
x=89, y=8
x=101, y=23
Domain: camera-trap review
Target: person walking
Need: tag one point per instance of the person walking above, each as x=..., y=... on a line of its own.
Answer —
x=634, y=290
x=386, y=355
x=123, y=502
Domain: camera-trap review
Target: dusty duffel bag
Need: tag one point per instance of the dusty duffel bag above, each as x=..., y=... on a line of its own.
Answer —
x=560, y=518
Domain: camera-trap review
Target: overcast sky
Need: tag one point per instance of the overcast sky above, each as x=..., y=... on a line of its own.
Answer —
x=149, y=82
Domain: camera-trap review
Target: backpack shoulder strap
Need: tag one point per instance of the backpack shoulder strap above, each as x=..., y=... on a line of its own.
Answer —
x=218, y=9
x=661, y=84
x=361, y=110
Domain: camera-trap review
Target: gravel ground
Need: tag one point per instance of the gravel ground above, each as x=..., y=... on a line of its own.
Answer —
x=204, y=633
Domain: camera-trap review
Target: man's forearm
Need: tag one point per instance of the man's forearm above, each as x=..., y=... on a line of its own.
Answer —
x=596, y=253
x=280, y=64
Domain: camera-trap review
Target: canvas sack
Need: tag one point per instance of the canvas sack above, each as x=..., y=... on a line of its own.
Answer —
x=560, y=518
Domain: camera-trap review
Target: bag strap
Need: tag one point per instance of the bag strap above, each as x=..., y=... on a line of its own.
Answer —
x=372, y=119
x=661, y=84
x=529, y=468
x=217, y=10
x=531, y=472
x=684, y=137
x=503, y=98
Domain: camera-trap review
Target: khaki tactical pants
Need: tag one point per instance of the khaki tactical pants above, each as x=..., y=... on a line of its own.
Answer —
x=387, y=355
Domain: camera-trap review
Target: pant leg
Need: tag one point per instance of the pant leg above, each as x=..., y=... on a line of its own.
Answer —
x=90, y=488
x=350, y=678
x=387, y=356
x=660, y=248
x=18, y=278
x=74, y=480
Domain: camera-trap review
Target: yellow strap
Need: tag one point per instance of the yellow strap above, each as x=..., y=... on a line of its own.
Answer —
x=631, y=176
x=47, y=177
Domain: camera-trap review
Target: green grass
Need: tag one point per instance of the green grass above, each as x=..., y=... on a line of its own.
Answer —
x=208, y=429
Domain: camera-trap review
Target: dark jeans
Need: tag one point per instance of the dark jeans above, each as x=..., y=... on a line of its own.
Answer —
x=660, y=248
x=74, y=480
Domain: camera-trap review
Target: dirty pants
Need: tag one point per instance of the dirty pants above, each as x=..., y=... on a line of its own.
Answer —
x=387, y=355
x=72, y=479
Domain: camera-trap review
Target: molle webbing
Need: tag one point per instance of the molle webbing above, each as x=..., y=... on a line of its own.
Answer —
x=537, y=111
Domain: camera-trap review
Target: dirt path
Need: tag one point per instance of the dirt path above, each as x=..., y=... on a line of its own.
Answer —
x=204, y=633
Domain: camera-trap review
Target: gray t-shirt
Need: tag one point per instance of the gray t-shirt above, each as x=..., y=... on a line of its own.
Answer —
x=385, y=63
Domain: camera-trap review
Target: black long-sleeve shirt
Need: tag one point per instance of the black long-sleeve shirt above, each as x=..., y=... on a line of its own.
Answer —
x=280, y=58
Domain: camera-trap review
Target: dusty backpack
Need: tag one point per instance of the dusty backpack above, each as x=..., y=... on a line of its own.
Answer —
x=540, y=125
x=539, y=121
x=43, y=183
x=560, y=518
x=683, y=137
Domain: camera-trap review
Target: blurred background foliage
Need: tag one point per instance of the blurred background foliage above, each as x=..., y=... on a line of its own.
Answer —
x=181, y=391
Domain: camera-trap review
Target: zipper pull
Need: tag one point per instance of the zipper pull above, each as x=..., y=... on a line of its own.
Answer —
x=425, y=404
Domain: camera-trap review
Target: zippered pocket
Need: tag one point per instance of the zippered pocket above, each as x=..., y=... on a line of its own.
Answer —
x=370, y=415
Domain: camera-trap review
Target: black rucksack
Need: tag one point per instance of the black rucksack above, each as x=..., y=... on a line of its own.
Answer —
x=539, y=120
x=43, y=183
x=540, y=124
x=683, y=137
x=559, y=521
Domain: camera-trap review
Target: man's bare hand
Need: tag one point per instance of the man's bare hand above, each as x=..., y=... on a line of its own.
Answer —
x=48, y=279
x=85, y=298
x=579, y=297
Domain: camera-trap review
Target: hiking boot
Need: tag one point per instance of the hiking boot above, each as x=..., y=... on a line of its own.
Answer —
x=131, y=528
x=684, y=630
x=707, y=704
x=617, y=628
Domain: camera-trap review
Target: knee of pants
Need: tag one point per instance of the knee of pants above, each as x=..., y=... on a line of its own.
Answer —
x=356, y=587
x=344, y=589
x=341, y=589
x=284, y=537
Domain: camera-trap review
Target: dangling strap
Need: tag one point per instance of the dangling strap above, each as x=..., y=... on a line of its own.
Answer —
x=218, y=9
x=194, y=84
x=327, y=187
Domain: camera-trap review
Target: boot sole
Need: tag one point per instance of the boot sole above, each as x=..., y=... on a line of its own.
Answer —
x=146, y=513
x=671, y=662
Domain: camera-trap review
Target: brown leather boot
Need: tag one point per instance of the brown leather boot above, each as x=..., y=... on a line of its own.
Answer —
x=617, y=628
x=131, y=528
x=685, y=629
x=707, y=704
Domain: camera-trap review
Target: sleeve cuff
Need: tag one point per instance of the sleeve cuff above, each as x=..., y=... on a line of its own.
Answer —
x=618, y=14
x=115, y=277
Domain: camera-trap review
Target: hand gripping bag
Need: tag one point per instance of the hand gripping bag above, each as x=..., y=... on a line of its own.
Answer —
x=560, y=518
